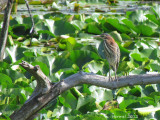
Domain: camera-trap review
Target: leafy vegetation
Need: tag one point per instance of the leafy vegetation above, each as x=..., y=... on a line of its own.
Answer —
x=64, y=45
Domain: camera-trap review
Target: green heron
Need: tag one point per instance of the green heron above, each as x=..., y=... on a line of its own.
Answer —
x=111, y=52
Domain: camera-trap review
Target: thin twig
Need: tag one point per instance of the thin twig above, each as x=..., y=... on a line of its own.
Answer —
x=32, y=31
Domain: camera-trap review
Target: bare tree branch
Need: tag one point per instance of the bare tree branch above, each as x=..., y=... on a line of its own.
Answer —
x=43, y=83
x=4, y=32
x=40, y=100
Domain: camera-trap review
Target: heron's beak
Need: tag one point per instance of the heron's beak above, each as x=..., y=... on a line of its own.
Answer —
x=97, y=36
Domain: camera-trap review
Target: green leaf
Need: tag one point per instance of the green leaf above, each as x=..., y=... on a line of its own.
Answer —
x=13, y=74
x=137, y=56
x=41, y=25
x=20, y=30
x=22, y=82
x=148, y=89
x=50, y=24
x=125, y=103
x=101, y=94
x=136, y=91
x=126, y=66
x=155, y=66
x=71, y=40
x=68, y=117
x=94, y=116
x=93, y=28
x=62, y=46
x=153, y=18
x=82, y=57
x=120, y=27
x=86, y=89
x=155, y=10
x=79, y=25
x=69, y=99
x=130, y=25
x=86, y=104
x=67, y=44
x=49, y=114
x=60, y=110
x=61, y=63
x=137, y=72
x=3, y=66
x=62, y=27
x=47, y=61
x=120, y=114
x=62, y=101
x=8, y=109
x=43, y=67
x=149, y=53
x=146, y=110
x=15, y=53
x=145, y=30
x=94, y=66
x=5, y=80
x=157, y=114
x=123, y=50
x=45, y=34
x=55, y=6
x=138, y=16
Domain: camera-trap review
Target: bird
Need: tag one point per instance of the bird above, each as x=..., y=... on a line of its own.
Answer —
x=111, y=52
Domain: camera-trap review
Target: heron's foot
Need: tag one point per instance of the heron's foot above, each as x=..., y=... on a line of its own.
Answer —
x=113, y=79
x=116, y=79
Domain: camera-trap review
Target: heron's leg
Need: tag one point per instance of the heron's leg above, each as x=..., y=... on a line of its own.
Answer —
x=116, y=74
x=110, y=79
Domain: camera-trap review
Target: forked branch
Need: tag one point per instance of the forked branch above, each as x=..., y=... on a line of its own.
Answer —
x=45, y=91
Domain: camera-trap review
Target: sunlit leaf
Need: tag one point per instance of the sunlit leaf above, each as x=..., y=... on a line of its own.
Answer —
x=95, y=66
x=101, y=94
x=78, y=24
x=138, y=16
x=146, y=110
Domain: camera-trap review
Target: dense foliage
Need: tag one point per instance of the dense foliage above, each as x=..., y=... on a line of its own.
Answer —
x=137, y=34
